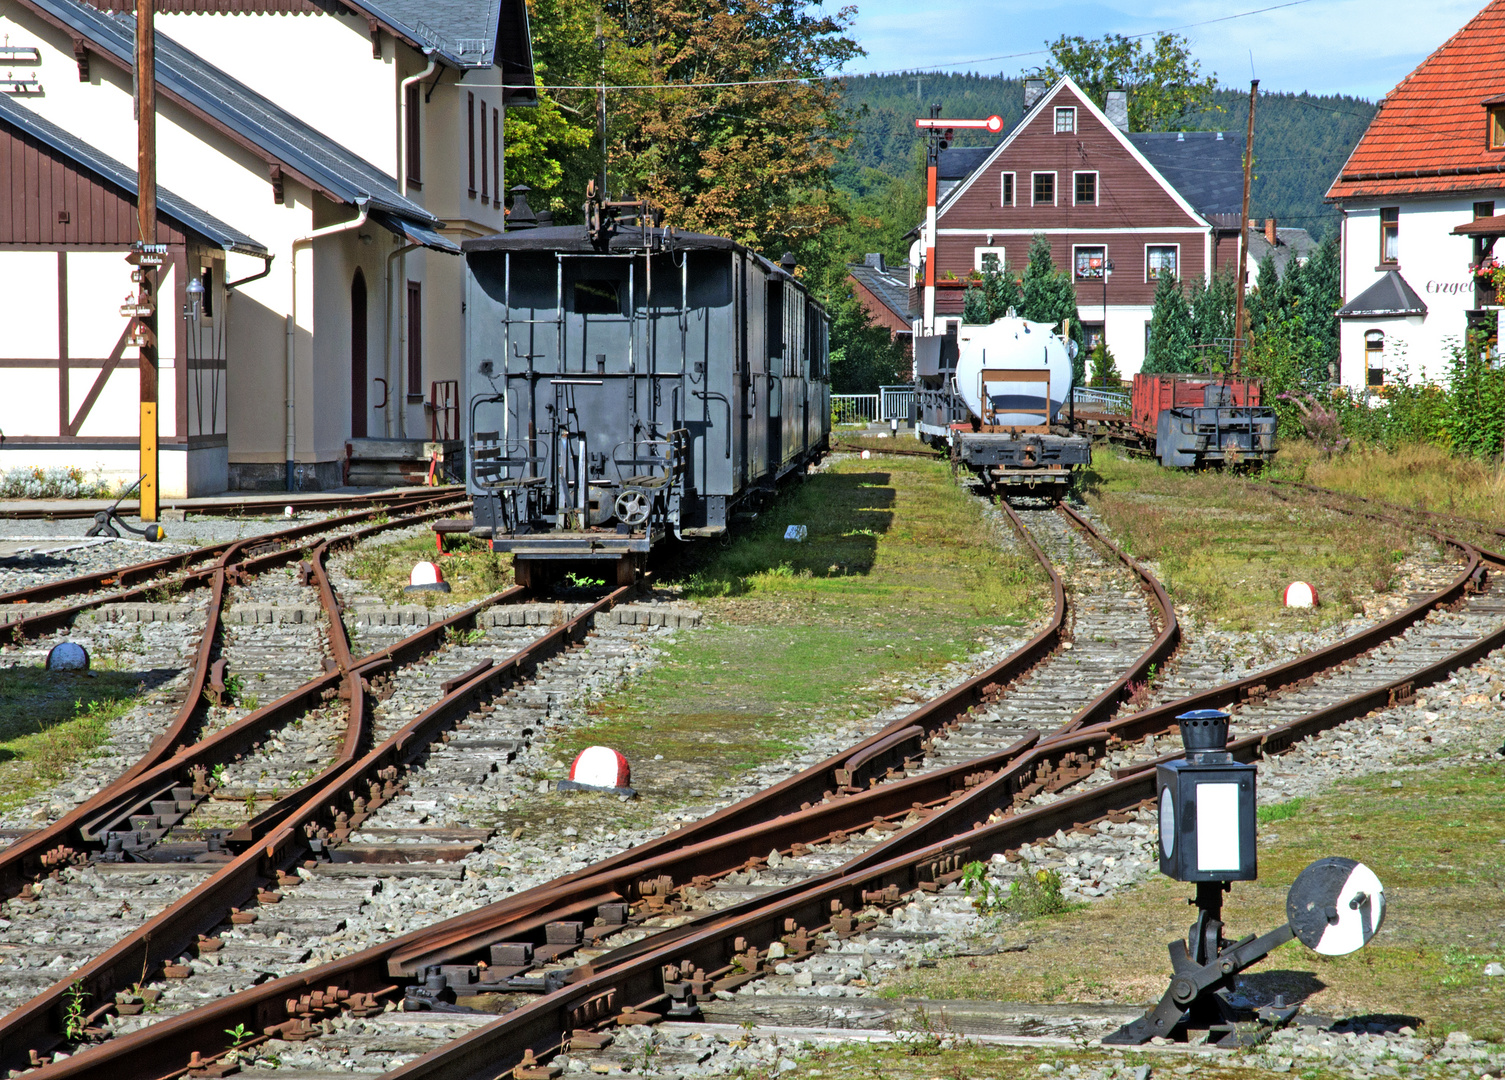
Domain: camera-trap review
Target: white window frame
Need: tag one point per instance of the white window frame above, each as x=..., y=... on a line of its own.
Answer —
x=1055, y=188
x=1372, y=354
x=1096, y=186
x=1078, y=247
x=1013, y=193
x=979, y=252
x=1148, y=277
x=1067, y=112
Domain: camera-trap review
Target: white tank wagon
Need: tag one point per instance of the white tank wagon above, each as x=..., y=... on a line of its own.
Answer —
x=995, y=395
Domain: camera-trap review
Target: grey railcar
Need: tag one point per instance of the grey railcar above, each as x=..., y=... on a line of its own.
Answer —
x=647, y=385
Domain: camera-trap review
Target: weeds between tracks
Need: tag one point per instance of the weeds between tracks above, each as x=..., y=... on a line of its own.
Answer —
x=49, y=721
x=900, y=574
x=1225, y=549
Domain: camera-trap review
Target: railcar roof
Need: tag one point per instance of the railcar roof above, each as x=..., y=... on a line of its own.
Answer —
x=573, y=240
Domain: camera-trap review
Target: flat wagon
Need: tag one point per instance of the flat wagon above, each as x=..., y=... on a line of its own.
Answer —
x=626, y=383
x=1188, y=420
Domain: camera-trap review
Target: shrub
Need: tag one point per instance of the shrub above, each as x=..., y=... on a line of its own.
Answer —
x=54, y=483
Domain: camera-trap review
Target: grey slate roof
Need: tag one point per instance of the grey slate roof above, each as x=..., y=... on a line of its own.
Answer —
x=181, y=211
x=335, y=168
x=1206, y=167
x=887, y=284
x=468, y=34
x=1290, y=244
x=1390, y=295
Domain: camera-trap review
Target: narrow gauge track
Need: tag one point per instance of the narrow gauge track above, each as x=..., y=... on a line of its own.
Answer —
x=646, y=978
x=247, y=507
x=1095, y=690
x=160, y=814
x=139, y=581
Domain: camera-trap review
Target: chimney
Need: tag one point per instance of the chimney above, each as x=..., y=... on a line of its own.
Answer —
x=1270, y=234
x=1117, y=109
x=875, y=260
x=1034, y=90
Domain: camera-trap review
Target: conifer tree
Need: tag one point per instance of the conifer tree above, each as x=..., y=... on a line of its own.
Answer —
x=1000, y=288
x=1260, y=305
x=975, y=307
x=1212, y=311
x=1049, y=296
x=1170, y=347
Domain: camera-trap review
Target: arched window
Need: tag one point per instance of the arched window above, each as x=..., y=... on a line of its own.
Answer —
x=1374, y=357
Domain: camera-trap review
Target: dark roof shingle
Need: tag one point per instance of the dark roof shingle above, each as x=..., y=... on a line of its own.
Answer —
x=1390, y=295
x=1206, y=167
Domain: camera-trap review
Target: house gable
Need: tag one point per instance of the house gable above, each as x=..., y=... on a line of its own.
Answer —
x=1430, y=135
x=1130, y=192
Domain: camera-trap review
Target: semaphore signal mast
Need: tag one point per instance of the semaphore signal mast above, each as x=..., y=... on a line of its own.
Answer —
x=941, y=133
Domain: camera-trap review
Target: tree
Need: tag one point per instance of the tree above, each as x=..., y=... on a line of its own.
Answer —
x=1165, y=84
x=1325, y=296
x=698, y=117
x=864, y=355
x=1261, y=304
x=1104, y=368
x=1170, y=347
x=1213, y=307
x=994, y=298
x=1048, y=295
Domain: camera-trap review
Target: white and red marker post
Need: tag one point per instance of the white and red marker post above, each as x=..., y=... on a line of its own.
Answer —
x=941, y=132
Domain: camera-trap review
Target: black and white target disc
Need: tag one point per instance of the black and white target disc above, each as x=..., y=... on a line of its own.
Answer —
x=1336, y=906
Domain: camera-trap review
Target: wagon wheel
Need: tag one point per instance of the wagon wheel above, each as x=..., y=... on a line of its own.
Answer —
x=633, y=507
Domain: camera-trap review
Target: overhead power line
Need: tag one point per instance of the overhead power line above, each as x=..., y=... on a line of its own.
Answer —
x=871, y=74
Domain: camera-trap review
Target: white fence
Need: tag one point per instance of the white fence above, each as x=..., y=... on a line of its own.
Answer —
x=854, y=408
x=897, y=402
x=890, y=403
x=1103, y=401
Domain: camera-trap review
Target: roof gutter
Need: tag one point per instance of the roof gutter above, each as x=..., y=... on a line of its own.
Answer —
x=363, y=203
x=266, y=268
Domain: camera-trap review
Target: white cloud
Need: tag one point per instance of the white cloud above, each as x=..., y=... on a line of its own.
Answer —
x=1360, y=47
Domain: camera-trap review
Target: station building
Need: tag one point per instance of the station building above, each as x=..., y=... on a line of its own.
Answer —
x=320, y=164
x=1423, y=203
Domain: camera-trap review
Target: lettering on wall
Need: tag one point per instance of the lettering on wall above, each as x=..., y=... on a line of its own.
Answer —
x=1451, y=288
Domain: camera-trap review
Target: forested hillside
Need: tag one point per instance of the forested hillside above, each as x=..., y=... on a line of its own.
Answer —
x=1300, y=140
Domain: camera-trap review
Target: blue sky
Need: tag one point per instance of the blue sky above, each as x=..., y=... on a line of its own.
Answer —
x=1360, y=47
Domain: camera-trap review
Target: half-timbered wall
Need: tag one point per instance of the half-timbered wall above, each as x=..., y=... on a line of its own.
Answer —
x=71, y=382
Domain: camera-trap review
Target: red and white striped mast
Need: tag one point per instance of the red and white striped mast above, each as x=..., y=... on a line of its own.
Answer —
x=941, y=132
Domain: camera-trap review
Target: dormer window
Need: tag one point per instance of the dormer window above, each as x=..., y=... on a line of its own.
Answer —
x=1066, y=121
x=1496, y=127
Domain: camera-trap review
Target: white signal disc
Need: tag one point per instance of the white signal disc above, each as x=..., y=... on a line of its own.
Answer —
x=1336, y=906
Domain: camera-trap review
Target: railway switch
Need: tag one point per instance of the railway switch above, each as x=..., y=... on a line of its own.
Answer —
x=1207, y=824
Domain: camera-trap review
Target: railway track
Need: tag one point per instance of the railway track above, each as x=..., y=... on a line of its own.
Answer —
x=850, y=856
x=242, y=507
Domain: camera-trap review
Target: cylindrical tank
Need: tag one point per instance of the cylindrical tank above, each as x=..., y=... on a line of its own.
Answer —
x=1013, y=373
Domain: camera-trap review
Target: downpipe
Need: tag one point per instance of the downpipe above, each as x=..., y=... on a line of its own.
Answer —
x=363, y=204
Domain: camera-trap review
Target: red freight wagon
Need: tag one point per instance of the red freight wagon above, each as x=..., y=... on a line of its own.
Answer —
x=1192, y=420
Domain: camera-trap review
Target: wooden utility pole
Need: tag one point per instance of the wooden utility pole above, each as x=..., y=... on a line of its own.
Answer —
x=146, y=214
x=1239, y=335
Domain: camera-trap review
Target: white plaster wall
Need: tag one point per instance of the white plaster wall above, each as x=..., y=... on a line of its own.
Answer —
x=1433, y=262
x=31, y=286
x=1125, y=334
x=318, y=67
x=1404, y=336
x=98, y=283
x=28, y=407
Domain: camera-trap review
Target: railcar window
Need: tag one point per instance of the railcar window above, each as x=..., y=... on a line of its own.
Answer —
x=597, y=296
x=774, y=309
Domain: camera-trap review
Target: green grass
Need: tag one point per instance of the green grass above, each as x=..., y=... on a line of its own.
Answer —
x=1269, y=815
x=1226, y=548
x=1438, y=845
x=900, y=574
x=470, y=570
x=49, y=721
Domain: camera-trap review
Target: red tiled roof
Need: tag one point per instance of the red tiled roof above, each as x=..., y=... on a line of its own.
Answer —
x=1429, y=134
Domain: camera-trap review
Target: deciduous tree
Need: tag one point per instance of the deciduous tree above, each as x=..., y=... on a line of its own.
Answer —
x=1164, y=82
